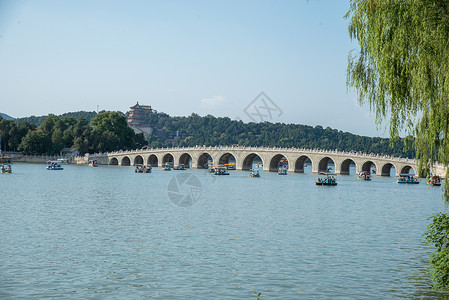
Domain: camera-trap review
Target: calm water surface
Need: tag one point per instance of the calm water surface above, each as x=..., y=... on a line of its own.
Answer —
x=107, y=232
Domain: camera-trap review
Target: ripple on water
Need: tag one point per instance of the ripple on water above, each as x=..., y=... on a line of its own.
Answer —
x=108, y=232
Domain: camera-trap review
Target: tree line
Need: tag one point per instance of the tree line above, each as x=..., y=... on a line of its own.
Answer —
x=107, y=131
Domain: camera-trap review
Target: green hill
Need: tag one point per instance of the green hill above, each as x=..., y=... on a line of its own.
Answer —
x=211, y=131
x=5, y=116
x=37, y=120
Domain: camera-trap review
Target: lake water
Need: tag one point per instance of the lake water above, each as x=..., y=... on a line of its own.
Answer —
x=108, y=232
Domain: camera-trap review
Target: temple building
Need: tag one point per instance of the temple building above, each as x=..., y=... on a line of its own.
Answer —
x=138, y=119
x=138, y=115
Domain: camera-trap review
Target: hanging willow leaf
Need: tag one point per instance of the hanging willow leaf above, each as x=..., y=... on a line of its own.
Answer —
x=402, y=71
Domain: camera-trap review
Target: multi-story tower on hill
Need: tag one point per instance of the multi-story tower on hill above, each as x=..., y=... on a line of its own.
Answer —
x=138, y=119
x=138, y=115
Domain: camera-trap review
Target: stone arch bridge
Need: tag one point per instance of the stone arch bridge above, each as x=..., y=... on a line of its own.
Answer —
x=269, y=158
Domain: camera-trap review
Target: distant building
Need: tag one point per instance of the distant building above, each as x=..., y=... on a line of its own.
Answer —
x=69, y=152
x=138, y=115
x=138, y=119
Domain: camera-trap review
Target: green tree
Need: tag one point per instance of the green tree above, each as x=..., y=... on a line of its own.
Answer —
x=82, y=135
x=437, y=235
x=402, y=71
x=17, y=133
x=111, y=132
x=36, y=142
x=6, y=126
x=48, y=124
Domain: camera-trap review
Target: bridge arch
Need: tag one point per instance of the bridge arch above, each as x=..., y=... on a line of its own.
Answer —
x=185, y=159
x=386, y=169
x=323, y=164
x=300, y=163
x=203, y=160
x=153, y=160
x=138, y=160
x=227, y=158
x=406, y=169
x=248, y=161
x=275, y=162
x=345, y=166
x=113, y=161
x=367, y=165
x=126, y=161
x=168, y=158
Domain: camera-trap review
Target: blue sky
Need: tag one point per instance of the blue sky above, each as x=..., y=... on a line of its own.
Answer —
x=208, y=57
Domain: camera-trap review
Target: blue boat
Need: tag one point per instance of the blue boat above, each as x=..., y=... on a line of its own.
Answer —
x=54, y=166
x=143, y=169
x=221, y=170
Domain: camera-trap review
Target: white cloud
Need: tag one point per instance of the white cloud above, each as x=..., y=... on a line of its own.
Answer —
x=213, y=102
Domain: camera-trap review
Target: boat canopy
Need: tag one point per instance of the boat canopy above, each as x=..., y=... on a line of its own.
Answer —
x=406, y=175
x=327, y=174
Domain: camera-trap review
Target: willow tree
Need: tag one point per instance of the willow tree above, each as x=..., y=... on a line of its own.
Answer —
x=402, y=71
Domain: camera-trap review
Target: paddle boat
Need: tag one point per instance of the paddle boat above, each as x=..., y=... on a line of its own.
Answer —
x=326, y=179
x=93, y=163
x=54, y=166
x=254, y=173
x=434, y=180
x=221, y=170
x=167, y=167
x=5, y=165
x=180, y=167
x=5, y=168
x=143, y=169
x=364, y=175
x=63, y=161
x=408, y=179
x=282, y=171
x=211, y=168
x=5, y=160
x=230, y=166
